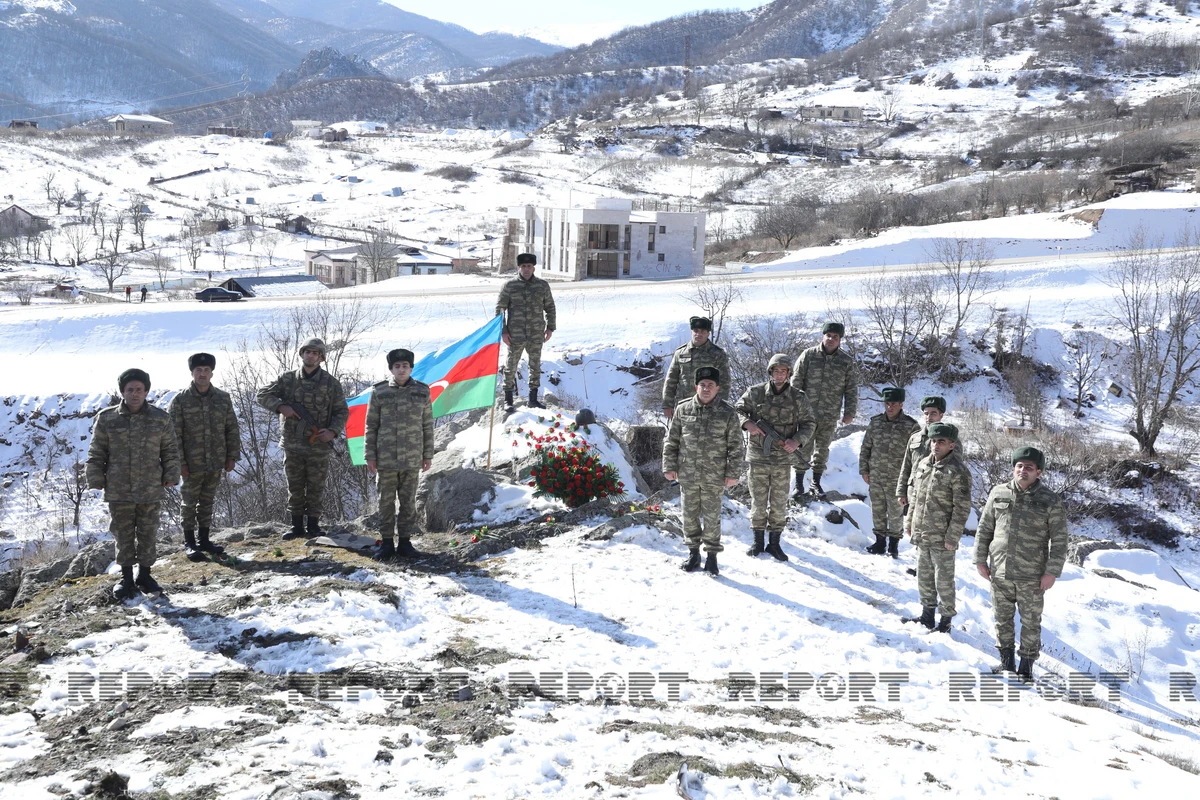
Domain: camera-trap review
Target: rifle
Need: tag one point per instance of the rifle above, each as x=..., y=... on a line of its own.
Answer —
x=308, y=421
x=769, y=435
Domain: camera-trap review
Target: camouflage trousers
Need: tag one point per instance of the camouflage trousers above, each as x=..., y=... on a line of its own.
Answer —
x=398, y=487
x=935, y=578
x=814, y=454
x=199, y=493
x=306, y=481
x=1026, y=597
x=534, y=350
x=701, y=504
x=887, y=515
x=769, y=484
x=134, y=526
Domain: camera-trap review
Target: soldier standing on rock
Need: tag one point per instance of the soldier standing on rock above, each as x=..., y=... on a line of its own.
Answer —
x=783, y=409
x=314, y=411
x=933, y=409
x=1021, y=547
x=210, y=443
x=698, y=353
x=398, y=447
x=827, y=375
x=702, y=451
x=879, y=461
x=132, y=457
x=531, y=322
x=939, y=490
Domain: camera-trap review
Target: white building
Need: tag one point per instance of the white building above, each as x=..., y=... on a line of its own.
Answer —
x=357, y=265
x=141, y=123
x=616, y=238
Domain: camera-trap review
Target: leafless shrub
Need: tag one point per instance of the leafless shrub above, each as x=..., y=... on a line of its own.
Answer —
x=714, y=297
x=756, y=339
x=454, y=172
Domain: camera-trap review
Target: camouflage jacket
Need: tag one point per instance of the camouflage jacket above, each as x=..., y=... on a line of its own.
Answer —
x=787, y=412
x=704, y=443
x=1022, y=534
x=883, y=446
x=399, y=425
x=830, y=380
x=320, y=394
x=681, y=375
x=132, y=455
x=207, y=429
x=530, y=307
x=939, y=497
x=917, y=448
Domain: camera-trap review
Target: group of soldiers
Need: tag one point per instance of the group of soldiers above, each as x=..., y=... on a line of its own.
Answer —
x=917, y=483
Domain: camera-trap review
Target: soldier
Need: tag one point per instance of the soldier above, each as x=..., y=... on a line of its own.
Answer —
x=530, y=324
x=933, y=409
x=773, y=409
x=209, y=443
x=1021, y=546
x=827, y=375
x=879, y=461
x=133, y=455
x=398, y=447
x=940, y=490
x=314, y=412
x=702, y=451
x=689, y=358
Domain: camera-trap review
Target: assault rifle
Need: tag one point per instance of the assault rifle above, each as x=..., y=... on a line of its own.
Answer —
x=769, y=435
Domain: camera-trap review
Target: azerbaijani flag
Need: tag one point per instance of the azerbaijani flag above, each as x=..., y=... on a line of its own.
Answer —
x=461, y=377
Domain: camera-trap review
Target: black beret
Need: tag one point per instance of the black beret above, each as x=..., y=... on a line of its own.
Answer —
x=934, y=401
x=700, y=323
x=893, y=395
x=201, y=360
x=400, y=354
x=1028, y=453
x=526, y=258
x=708, y=374
x=134, y=374
x=834, y=327
x=942, y=430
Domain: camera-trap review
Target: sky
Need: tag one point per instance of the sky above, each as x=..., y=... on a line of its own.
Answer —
x=557, y=22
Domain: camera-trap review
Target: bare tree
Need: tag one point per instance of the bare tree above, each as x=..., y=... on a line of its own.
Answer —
x=1031, y=403
x=115, y=227
x=59, y=198
x=50, y=184
x=1157, y=306
x=962, y=278
x=270, y=243
x=110, y=266
x=138, y=216
x=24, y=291
x=73, y=489
x=78, y=239
x=49, y=237
x=1087, y=355
x=715, y=297
x=162, y=265
x=787, y=220
x=896, y=322
x=221, y=248
x=250, y=236
x=378, y=254
x=888, y=107
x=191, y=242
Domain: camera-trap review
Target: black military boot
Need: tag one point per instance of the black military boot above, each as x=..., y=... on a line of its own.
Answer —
x=710, y=564
x=880, y=545
x=1025, y=670
x=314, y=527
x=189, y=547
x=387, y=549
x=405, y=549
x=893, y=546
x=926, y=617
x=508, y=401
x=126, y=588
x=757, y=547
x=943, y=625
x=1008, y=661
x=693, y=561
x=145, y=581
x=799, y=484
x=816, y=486
x=202, y=543
x=297, y=531
x=533, y=399
x=773, y=546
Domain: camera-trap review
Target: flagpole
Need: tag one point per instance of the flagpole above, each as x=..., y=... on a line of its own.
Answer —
x=492, y=422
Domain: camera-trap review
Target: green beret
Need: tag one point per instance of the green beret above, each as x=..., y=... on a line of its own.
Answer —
x=893, y=395
x=834, y=327
x=942, y=430
x=701, y=323
x=1028, y=453
x=934, y=401
x=708, y=374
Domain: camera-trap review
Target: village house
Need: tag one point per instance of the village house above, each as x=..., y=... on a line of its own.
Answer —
x=358, y=265
x=23, y=125
x=616, y=238
x=16, y=221
x=141, y=123
x=837, y=113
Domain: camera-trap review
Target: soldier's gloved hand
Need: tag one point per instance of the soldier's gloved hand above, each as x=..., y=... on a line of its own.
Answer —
x=183, y=471
x=731, y=482
x=229, y=464
x=984, y=571
x=1047, y=581
x=372, y=466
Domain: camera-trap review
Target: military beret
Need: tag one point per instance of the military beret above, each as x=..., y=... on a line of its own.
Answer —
x=834, y=327
x=134, y=374
x=201, y=360
x=526, y=258
x=701, y=323
x=933, y=401
x=400, y=354
x=893, y=395
x=708, y=374
x=1028, y=453
x=942, y=430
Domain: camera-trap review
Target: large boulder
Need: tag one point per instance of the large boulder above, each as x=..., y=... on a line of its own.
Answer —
x=449, y=493
x=91, y=560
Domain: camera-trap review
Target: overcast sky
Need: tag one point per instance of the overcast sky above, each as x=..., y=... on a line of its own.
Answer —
x=572, y=22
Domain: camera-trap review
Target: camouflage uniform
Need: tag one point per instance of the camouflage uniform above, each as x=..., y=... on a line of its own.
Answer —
x=1022, y=536
x=831, y=382
x=680, y=383
x=207, y=430
x=879, y=458
x=131, y=457
x=789, y=413
x=917, y=449
x=703, y=446
x=531, y=312
x=306, y=464
x=939, y=494
x=399, y=436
